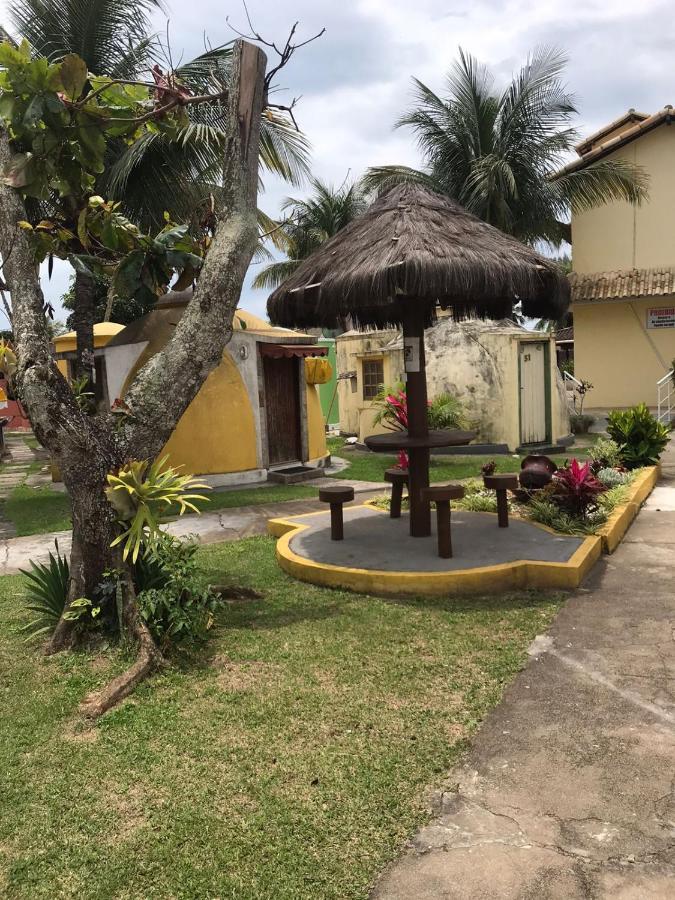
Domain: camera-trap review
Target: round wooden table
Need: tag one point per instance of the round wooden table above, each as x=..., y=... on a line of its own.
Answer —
x=418, y=448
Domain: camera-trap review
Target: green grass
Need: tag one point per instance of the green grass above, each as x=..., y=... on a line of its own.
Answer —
x=287, y=761
x=37, y=510
x=278, y=493
x=41, y=510
x=365, y=466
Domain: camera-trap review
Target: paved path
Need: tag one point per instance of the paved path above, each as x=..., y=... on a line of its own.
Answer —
x=226, y=525
x=569, y=790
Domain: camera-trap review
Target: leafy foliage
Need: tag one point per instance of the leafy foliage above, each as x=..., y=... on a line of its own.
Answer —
x=180, y=608
x=47, y=592
x=142, y=495
x=612, y=477
x=544, y=510
x=497, y=153
x=446, y=411
x=641, y=437
x=575, y=488
x=605, y=453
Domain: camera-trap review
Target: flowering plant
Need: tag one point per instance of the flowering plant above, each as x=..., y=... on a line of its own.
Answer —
x=575, y=488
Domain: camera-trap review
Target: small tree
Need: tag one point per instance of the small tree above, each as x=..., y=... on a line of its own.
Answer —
x=52, y=147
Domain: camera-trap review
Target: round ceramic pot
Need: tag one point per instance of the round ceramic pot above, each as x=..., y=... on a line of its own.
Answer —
x=536, y=472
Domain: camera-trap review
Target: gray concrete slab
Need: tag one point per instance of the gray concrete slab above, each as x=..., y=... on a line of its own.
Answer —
x=375, y=541
x=569, y=788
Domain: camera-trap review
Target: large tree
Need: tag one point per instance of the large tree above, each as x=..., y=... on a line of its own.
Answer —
x=89, y=447
x=306, y=224
x=498, y=152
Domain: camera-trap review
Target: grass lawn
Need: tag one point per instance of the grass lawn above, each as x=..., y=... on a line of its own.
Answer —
x=365, y=466
x=288, y=760
x=40, y=510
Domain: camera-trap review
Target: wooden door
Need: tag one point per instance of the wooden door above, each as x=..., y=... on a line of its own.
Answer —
x=533, y=387
x=282, y=405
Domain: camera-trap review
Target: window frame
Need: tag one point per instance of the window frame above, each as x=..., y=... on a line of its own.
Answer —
x=366, y=378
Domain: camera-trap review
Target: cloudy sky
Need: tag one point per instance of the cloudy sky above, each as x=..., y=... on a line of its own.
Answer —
x=355, y=80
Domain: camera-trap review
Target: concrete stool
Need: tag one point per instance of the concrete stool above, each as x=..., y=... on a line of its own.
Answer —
x=441, y=495
x=501, y=484
x=336, y=495
x=397, y=477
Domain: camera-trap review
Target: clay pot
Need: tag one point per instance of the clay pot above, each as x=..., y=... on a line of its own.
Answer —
x=536, y=472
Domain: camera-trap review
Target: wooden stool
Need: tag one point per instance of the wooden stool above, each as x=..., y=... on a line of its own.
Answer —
x=441, y=495
x=397, y=477
x=336, y=495
x=501, y=484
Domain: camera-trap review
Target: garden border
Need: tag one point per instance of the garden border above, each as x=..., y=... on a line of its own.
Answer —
x=620, y=519
x=516, y=575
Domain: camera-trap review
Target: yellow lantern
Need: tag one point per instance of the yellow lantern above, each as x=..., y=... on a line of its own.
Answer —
x=318, y=370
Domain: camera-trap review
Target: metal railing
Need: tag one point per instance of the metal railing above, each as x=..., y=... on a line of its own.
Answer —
x=665, y=397
x=571, y=384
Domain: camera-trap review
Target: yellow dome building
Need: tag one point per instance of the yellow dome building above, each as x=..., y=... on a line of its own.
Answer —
x=257, y=412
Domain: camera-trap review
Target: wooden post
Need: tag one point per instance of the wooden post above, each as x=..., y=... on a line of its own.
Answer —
x=336, y=522
x=502, y=508
x=443, y=526
x=418, y=421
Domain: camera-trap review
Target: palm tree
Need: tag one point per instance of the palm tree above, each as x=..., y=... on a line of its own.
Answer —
x=157, y=173
x=307, y=224
x=497, y=153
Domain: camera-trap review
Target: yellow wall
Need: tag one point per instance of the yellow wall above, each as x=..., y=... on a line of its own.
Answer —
x=216, y=433
x=618, y=354
x=621, y=236
x=316, y=429
x=103, y=333
x=356, y=414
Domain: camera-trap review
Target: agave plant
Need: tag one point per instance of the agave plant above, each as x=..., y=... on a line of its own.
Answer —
x=143, y=495
x=47, y=592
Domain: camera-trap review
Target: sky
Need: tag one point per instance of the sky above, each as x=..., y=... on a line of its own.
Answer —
x=355, y=81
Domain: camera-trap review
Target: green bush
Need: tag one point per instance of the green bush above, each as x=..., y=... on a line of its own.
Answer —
x=445, y=412
x=605, y=453
x=182, y=608
x=47, y=592
x=641, y=437
x=612, y=477
x=546, y=512
x=481, y=501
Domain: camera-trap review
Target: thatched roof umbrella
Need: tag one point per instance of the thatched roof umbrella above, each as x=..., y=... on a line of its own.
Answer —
x=410, y=252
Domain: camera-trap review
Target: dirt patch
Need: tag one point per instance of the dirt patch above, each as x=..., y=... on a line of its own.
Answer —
x=132, y=808
x=80, y=733
x=244, y=675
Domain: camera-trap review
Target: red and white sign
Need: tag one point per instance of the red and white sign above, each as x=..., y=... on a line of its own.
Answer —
x=661, y=317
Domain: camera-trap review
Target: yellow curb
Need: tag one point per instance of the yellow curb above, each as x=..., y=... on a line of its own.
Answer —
x=619, y=521
x=503, y=577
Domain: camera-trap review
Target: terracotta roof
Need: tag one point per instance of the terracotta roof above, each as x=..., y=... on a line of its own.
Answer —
x=564, y=335
x=663, y=116
x=622, y=284
x=632, y=117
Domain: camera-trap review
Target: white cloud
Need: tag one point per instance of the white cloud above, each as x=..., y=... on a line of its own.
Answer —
x=355, y=80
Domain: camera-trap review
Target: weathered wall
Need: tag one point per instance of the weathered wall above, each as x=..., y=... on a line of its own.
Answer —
x=475, y=361
x=618, y=354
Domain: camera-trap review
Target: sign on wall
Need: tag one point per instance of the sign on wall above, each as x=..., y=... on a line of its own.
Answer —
x=661, y=317
x=411, y=354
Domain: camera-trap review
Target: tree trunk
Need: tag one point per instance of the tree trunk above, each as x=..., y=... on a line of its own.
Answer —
x=83, y=323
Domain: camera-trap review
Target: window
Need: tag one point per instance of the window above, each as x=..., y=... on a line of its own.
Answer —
x=373, y=378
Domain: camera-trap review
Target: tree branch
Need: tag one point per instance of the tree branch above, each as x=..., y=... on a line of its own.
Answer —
x=170, y=380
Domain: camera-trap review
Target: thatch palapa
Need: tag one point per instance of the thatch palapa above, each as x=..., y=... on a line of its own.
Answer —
x=415, y=246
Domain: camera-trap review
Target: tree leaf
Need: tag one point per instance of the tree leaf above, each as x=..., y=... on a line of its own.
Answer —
x=73, y=75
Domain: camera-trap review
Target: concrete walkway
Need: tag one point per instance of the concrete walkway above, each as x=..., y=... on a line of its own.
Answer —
x=569, y=790
x=209, y=528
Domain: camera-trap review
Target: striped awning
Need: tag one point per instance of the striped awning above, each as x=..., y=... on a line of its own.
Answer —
x=622, y=284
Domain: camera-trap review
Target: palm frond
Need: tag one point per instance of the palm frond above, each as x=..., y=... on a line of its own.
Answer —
x=273, y=275
x=603, y=182
x=378, y=180
x=112, y=36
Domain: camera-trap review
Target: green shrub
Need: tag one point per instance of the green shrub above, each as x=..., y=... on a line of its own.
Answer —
x=612, y=477
x=546, y=512
x=608, y=501
x=182, y=609
x=47, y=592
x=445, y=412
x=605, y=453
x=481, y=501
x=641, y=437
